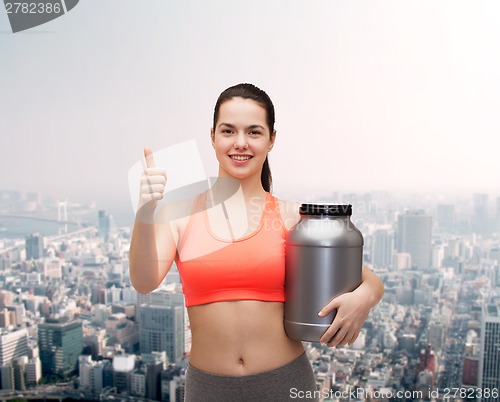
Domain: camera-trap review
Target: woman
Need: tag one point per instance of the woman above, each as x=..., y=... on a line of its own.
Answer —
x=230, y=254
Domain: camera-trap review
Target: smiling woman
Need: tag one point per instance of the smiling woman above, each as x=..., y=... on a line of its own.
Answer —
x=230, y=253
x=247, y=113
x=241, y=146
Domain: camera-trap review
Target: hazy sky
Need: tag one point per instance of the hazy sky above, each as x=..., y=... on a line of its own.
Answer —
x=393, y=95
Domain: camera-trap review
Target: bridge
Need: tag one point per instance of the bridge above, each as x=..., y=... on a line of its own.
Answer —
x=36, y=218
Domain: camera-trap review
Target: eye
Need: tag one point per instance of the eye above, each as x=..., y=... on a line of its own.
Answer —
x=226, y=131
x=255, y=132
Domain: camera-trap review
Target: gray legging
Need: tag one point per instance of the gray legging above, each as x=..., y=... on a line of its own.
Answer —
x=291, y=382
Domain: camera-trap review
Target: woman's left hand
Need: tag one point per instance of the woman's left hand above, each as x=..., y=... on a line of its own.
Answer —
x=352, y=310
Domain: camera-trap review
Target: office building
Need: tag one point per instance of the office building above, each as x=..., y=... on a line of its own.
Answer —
x=123, y=365
x=498, y=215
x=126, y=308
x=437, y=334
x=122, y=331
x=20, y=373
x=84, y=369
x=6, y=298
x=494, y=255
x=52, y=268
x=33, y=370
x=470, y=370
x=480, y=223
x=138, y=382
x=445, y=218
x=60, y=342
x=7, y=377
x=414, y=237
x=7, y=318
x=107, y=374
x=13, y=344
x=95, y=340
x=168, y=295
x=104, y=225
x=382, y=248
x=161, y=328
x=489, y=360
x=407, y=342
x=34, y=246
x=18, y=311
x=171, y=382
x=153, y=383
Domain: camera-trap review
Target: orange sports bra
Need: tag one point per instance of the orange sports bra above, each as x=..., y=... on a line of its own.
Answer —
x=251, y=267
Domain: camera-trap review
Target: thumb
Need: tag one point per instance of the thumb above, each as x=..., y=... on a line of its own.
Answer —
x=148, y=154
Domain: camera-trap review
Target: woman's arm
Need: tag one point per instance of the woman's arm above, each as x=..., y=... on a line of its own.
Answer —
x=153, y=242
x=352, y=310
x=152, y=249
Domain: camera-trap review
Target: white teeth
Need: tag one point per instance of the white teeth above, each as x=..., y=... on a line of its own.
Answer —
x=240, y=158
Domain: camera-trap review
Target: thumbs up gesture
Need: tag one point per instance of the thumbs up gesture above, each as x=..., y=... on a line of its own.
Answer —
x=153, y=183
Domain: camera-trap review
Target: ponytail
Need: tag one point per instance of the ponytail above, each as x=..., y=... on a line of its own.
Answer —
x=266, y=178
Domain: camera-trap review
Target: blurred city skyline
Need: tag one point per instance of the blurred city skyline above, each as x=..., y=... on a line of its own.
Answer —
x=434, y=330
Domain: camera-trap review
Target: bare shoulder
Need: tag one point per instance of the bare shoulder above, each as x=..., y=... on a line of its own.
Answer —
x=176, y=213
x=289, y=211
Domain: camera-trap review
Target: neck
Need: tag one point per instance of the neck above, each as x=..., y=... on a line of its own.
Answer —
x=226, y=186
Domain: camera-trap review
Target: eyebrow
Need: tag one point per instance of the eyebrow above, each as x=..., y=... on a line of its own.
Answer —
x=251, y=126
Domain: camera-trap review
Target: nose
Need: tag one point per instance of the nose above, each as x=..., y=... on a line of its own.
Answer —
x=241, y=141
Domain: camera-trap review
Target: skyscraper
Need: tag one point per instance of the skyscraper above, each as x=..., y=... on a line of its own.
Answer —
x=104, y=224
x=489, y=361
x=34, y=246
x=445, y=215
x=498, y=215
x=414, y=237
x=480, y=223
x=437, y=333
x=60, y=342
x=382, y=248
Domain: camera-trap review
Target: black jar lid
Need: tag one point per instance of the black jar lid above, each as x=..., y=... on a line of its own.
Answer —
x=326, y=209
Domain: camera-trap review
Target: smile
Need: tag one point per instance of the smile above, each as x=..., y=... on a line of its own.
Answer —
x=240, y=158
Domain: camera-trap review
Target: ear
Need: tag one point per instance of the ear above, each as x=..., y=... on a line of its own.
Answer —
x=271, y=143
x=212, y=137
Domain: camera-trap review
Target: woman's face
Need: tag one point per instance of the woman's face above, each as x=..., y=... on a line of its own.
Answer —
x=241, y=138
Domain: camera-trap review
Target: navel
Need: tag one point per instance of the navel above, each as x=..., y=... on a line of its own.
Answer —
x=240, y=361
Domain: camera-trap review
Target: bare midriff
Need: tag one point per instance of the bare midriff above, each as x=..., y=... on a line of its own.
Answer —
x=240, y=337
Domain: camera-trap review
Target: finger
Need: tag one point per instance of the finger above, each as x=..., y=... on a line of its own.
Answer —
x=148, y=154
x=339, y=338
x=155, y=171
x=354, y=337
x=335, y=303
x=345, y=340
x=146, y=198
x=148, y=178
x=153, y=188
x=331, y=331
